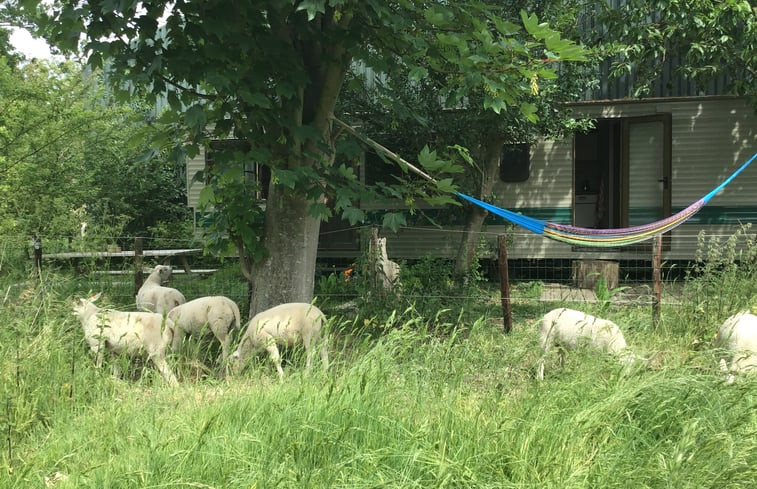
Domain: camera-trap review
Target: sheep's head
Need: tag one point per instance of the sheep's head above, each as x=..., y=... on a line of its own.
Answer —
x=163, y=272
x=81, y=303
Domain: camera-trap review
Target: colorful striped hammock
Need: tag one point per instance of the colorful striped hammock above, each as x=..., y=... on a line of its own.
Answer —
x=571, y=234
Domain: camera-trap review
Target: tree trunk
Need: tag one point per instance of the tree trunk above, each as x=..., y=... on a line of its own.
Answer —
x=287, y=274
x=492, y=152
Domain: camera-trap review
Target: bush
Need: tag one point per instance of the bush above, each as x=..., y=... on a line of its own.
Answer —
x=722, y=281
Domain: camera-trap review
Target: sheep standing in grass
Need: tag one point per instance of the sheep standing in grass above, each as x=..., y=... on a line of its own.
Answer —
x=126, y=332
x=738, y=335
x=570, y=329
x=217, y=313
x=152, y=296
x=285, y=324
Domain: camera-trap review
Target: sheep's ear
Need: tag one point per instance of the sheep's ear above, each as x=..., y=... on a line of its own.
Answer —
x=93, y=298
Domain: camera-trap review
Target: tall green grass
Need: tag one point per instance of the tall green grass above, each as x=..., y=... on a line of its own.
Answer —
x=412, y=400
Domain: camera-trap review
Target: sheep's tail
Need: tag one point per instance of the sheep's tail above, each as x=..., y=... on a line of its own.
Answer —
x=237, y=316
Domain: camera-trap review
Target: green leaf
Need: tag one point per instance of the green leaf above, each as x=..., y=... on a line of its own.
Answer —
x=255, y=99
x=494, y=103
x=207, y=196
x=441, y=200
x=353, y=215
x=529, y=110
x=195, y=118
x=320, y=210
x=446, y=185
x=394, y=221
x=439, y=16
x=313, y=7
x=417, y=73
x=286, y=178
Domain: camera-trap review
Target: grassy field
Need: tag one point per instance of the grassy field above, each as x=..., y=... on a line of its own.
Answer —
x=413, y=399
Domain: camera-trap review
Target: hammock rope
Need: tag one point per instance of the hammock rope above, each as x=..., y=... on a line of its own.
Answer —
x=572, y=234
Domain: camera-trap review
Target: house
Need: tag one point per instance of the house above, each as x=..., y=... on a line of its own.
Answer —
x=645, y=160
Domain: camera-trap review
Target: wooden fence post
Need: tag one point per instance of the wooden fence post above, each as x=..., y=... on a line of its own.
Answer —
x=37, y=247
x=138, y=275
x=656, y=279
x=504, y=284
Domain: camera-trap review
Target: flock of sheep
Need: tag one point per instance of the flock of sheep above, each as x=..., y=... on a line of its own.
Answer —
x=172, y=318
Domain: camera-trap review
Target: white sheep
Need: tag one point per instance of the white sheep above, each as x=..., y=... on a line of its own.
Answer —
x=738, y=335
x=152, y=296
x=126, y=332
x=220, y=315
x=285, y=324
x=570, y=329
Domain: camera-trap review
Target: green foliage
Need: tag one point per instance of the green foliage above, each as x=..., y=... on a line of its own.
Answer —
x=425, y=287
x=281, y=84
x=722, y=281
x=605, y=295
x=710, y=38
x=66, y=159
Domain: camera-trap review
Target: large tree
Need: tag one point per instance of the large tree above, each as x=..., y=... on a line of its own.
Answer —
x=271, y=72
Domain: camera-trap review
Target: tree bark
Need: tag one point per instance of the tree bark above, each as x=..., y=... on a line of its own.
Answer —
x=287, y=274
x=492, y=152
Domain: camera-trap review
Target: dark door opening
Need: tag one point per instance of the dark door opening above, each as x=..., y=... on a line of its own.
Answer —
x=622, y=172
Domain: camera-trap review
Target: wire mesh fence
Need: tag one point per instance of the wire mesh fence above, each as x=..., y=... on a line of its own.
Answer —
x=538, y=271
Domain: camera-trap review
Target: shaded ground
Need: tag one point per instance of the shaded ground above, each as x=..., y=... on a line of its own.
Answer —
x=637, y=294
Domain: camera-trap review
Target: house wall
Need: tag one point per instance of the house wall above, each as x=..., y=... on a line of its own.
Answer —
x=711, y=137
x=193, y=188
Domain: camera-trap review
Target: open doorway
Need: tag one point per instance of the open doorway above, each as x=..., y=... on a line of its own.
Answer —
x=622, y=172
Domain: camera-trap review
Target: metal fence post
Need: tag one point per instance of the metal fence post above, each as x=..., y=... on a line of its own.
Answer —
x=656, y=279
x=504, y=284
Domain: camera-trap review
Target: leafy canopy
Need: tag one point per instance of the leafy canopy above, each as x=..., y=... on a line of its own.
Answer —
x=270, y=73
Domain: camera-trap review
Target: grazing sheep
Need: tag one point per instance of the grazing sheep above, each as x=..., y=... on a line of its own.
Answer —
x=738, y=335
x=571, y=329
x=285, y=324
x=220, y=314
x=126, y=332
x=152, y=296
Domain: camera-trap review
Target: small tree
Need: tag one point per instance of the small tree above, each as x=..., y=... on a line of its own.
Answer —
x=271, y=73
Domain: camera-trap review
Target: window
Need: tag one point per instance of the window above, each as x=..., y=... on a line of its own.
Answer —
x=515, y=163
x=229, y=152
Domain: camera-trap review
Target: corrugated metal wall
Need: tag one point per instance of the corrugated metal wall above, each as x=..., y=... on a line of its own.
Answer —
x=711, y=138
x=193, y=188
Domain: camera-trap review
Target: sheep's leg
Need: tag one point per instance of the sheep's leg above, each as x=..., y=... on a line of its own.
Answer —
x=540, y=374
x=98, y=356
x=162, y=365
x=723, y=366
x=115, y=368
x=325, y=354
x=225, y=345
x=221, y=333
x=273, y=352
x=310, y=352
x=177, y=338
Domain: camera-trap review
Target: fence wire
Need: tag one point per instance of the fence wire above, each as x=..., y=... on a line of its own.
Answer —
x=539, y=270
